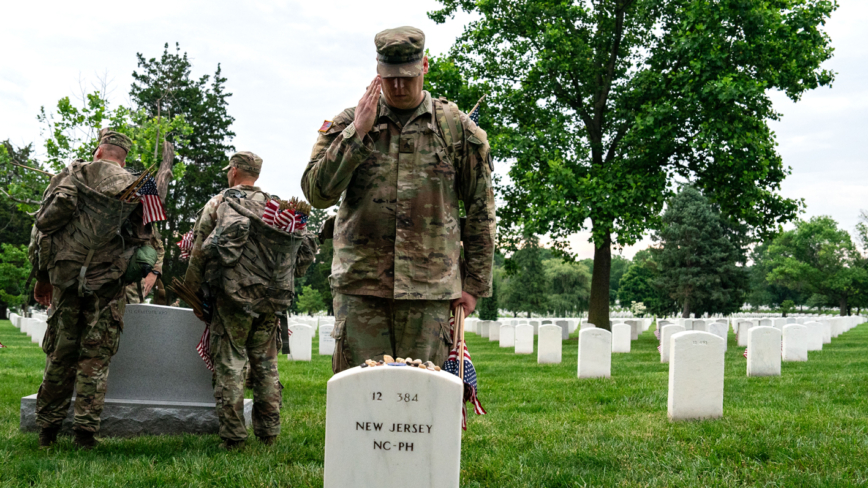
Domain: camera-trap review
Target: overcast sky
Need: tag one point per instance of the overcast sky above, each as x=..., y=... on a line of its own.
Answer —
x=292, y=64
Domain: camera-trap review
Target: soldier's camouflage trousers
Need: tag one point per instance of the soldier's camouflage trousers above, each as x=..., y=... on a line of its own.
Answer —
x=367, y=327
x=83, y=334
x=236, y=338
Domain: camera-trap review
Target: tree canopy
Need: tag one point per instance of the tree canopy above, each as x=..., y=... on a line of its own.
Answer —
x=599, y=105
x=818, y=258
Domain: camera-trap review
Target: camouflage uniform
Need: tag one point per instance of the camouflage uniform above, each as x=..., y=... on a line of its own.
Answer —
x=84, y=327
x=239, y=336
x=132, y=291
x=398, y=235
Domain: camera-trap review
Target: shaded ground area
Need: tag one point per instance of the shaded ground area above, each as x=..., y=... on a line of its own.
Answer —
x=545, y=428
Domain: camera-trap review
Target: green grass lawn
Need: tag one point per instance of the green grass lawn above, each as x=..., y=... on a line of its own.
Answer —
x=545, y=428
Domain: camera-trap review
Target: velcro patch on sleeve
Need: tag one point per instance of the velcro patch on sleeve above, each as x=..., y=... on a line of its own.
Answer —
x=326, y=125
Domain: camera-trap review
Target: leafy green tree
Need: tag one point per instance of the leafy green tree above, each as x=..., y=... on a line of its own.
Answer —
x=72, y=132
x=619, y=266
x=818, y=258
x=14, y=270
x=310, y=301
x=20, y=192
x=164, y=88
x=637, y=285
x=701, y=264
x=568, y=287
x=318, y=273
x=600, y=105
x=786, y=306
x=488, y=305
x=527, y=281
x=763, y=293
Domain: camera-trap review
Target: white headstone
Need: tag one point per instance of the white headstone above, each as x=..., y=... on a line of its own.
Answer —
x=666, y=334
x=720, y=330
x=326, y=341
x=507, y=335
x=300, y=342
x=621, y=338
x=766, y=322
x=634, y=329
x=494, y=331
x=550, y=345
x=764, y=351
x=565, y=328
x=524, y=339
x=795, y=343
x=827, y=332
x=484, y=328
x=743, y=327
x=587, y=325
x=393, y=427
x=695, y=376
x=700, y=326
x=595, y=353
x=815, y=336
x=535, y=324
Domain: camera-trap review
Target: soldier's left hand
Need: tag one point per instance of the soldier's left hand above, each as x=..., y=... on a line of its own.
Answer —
x=42, y=292
x=467, y=300
x=150, y=280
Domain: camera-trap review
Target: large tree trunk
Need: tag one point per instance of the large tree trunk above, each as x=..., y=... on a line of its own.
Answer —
x=842, y=304
x=685, y=311
x=598, y=309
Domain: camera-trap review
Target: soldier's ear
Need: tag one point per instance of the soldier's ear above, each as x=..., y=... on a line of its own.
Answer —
x=425, y=65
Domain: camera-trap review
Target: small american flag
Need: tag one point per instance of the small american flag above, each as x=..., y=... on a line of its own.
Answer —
x=474, y=116
x=1, y=345
x=186, y=245
x=272, y=208
x=153, y=206
x=470, y=380
x=204, y=348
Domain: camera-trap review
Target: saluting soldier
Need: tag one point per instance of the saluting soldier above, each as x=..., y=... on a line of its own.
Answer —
x=404, y=160
x=81, y=245
x=238, y=332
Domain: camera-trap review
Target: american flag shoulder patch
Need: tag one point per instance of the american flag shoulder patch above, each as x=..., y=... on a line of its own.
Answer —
x=326, y=125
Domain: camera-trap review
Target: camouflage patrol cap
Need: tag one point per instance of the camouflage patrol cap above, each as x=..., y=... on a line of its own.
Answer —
x=247, y=161
x=400, y=52
x=108, y=136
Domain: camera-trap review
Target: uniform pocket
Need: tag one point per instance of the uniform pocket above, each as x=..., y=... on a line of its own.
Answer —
x=341, y=356
x=49, y=340
x=445, y=341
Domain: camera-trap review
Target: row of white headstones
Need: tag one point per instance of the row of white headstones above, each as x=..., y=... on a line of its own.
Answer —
x=34, y=326
x=694, y=350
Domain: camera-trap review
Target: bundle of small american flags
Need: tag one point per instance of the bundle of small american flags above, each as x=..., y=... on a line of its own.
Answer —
x=186, y=245
x=470, y=384
x=288, y=216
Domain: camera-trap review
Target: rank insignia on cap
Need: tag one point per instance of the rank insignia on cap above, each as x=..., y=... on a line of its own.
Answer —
x=326, y=125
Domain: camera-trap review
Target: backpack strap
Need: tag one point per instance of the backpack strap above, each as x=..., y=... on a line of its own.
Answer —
x=447, y=116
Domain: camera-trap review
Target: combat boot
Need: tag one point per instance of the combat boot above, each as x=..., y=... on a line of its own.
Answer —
x=48, y=436
x=231, y=445
x=268, y=440
x=84, y=440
